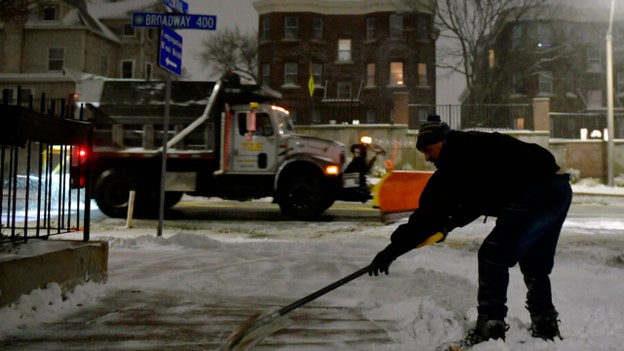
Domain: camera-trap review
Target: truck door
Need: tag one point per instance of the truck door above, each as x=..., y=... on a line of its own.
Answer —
x=254, y=146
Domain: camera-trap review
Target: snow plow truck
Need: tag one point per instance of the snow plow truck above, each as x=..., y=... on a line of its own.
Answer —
x=226, y=140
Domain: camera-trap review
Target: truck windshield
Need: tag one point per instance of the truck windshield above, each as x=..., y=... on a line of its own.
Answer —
x=285, y=125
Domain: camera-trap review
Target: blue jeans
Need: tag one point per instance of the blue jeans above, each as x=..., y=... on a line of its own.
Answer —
x=526, y=232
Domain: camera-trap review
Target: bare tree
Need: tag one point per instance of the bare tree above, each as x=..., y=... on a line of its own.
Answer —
x=15, y=10
x=465, y=26
x=230, y=50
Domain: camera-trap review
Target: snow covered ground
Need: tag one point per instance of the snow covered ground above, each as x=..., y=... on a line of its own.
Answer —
x=190, y=288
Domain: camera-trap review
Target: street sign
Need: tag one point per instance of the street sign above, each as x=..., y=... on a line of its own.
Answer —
x=170, y=57
x=174, y=20
x=176, y=5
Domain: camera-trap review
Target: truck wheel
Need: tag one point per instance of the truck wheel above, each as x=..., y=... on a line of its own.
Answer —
x=303, y=198
x=112, y=190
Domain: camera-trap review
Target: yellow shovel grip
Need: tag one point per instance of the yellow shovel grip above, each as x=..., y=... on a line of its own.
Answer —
x=431, y=240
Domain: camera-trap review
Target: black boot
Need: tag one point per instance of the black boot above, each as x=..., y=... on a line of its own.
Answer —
x=485, y=329
x=545, y=327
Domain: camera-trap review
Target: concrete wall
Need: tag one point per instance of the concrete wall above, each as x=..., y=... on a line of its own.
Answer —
x=72, y=263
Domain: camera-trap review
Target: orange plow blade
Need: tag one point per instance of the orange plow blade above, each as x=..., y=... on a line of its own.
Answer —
x=399, y=191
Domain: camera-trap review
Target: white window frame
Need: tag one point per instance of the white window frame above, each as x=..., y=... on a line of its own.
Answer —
x=594, y=60
x=317, y=73
x=266, y=74
x=344, y=50
x=516, y=36
x=56, y=58
x=370, y=28
x=620, y=82
x=396, y=73
x=291, y=27
x=317, y=28
x=423, y=80
x=370, y=75
x=395, y=29
x=344, y=91
x=544, y=83
x=266, y=29
x=290, y=73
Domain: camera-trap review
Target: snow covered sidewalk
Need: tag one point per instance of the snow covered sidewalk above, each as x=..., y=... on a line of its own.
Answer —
x=190, y=288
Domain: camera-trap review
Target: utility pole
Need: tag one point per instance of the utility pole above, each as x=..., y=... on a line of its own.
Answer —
x=610, y=118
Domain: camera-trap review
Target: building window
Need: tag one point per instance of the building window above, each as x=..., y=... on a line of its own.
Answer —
x=491, y=58
x=344, y=50
x=370, y=75
x=396, y=73
x=127, y=69
x=396, y=26
x=620, y=82
x=128, y=30
x=317, y=73
x=344, y=90
x=422, y=74
x=291, y=27
x=544, y=36
x=516, y=36
x=266, y=29
x=290, y=73
x=545, y=82
x=370, y=28
x=422, y=28
x=317, y=28
x=49, y=14
x=266, y=74
x=148, y=71
x=569, y=82
x=594, y=60
x=104, y=66
x=370, y=116
x=517, y=81
x=56, y=59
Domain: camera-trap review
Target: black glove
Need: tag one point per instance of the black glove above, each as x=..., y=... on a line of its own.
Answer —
x=381, y=263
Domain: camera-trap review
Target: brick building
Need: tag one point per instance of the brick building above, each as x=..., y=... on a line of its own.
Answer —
x=349, y=61
x=555, y=52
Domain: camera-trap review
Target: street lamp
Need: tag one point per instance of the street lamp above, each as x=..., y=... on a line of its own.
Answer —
x=610, y=122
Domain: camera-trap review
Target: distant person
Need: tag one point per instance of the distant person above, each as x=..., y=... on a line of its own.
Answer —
x=495, y=175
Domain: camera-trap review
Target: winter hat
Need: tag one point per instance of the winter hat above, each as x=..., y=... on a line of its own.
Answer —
x=432, y=131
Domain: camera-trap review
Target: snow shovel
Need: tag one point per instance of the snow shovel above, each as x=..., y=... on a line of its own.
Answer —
x=259, y=326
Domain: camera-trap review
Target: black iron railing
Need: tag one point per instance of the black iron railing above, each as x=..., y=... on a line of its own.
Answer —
x=37, y=200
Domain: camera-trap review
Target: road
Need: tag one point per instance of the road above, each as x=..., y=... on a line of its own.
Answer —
x=192, y=208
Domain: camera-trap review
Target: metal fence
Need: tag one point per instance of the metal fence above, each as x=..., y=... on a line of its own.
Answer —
x=591, y=125
x=37, y=200
x=488, y=117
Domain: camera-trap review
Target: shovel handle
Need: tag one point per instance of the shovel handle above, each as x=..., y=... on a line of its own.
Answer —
x=313, y=296
x=362, y=271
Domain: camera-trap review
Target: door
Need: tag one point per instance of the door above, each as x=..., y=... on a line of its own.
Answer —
x=254, y=146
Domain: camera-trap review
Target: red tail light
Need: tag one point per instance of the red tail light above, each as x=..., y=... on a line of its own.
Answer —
x=78, y=169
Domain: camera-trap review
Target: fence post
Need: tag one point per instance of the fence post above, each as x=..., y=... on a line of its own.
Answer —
x=131, y=197
x=541, y=114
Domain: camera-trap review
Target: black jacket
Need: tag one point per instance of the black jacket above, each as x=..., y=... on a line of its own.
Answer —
x=477, y=174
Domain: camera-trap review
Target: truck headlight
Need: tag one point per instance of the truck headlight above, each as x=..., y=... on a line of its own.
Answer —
x=332, y=170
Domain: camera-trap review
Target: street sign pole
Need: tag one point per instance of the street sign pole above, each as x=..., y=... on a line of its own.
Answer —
x=163, y=163
x=170, y=59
